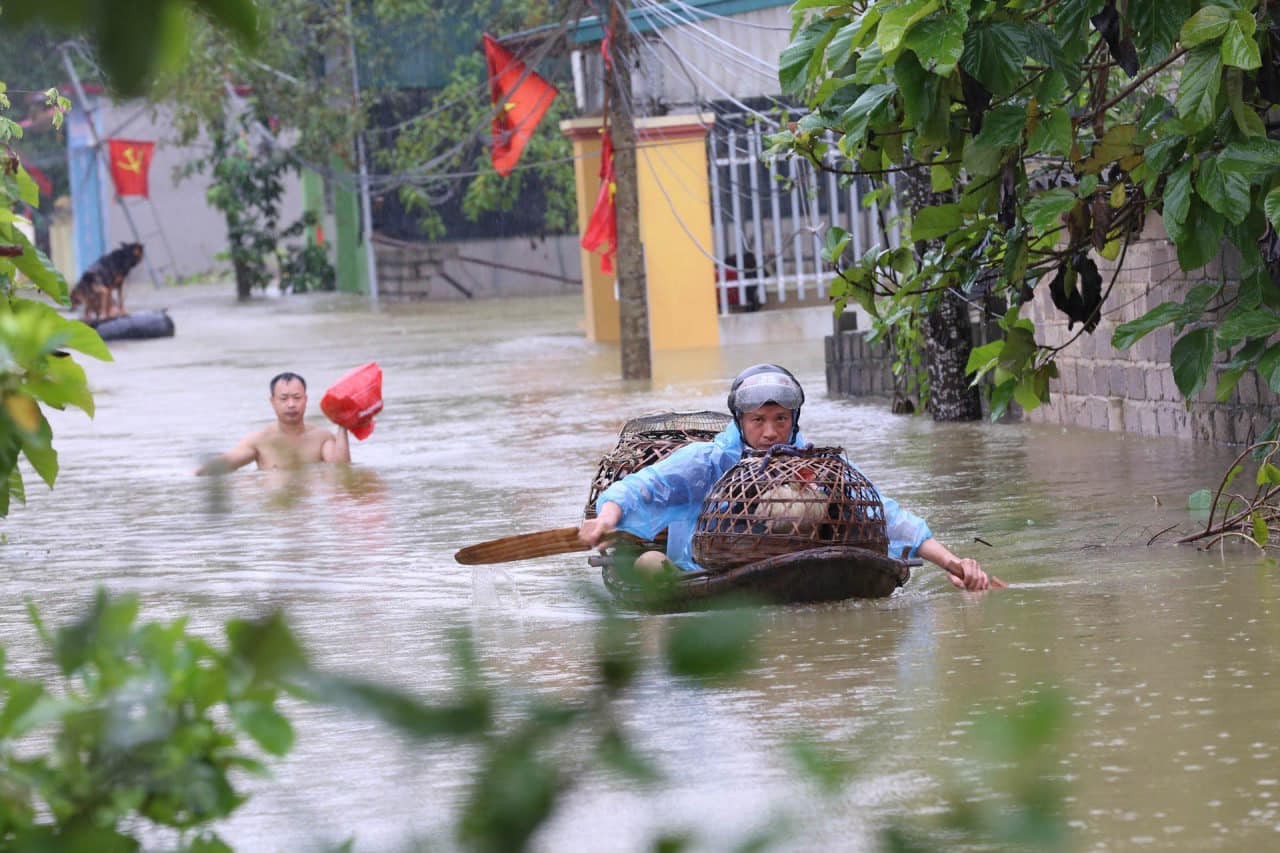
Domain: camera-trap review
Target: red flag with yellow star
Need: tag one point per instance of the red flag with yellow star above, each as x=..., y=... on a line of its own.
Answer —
x=602, y=227
x=130, y=163
x=520, y=99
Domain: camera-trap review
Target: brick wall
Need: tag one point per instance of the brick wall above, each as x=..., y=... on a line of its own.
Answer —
x=1098, y=386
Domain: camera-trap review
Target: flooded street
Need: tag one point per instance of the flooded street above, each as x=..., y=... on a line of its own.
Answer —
x=496, y=415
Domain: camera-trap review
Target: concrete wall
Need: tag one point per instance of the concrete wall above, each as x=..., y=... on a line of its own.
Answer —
x=675, y=231
x=1100, y=387
x=1133, y=390
x=501, y=267
x=784, y=324
x=181, y=232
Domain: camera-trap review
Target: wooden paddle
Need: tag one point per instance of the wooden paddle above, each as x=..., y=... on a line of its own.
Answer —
x=563, y=540
x=525, y=546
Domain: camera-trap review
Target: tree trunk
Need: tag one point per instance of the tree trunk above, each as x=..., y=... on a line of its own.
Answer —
x=633, y=297
x=244, y=280
x=948, y=342
x=948, y=333
x=244, y=275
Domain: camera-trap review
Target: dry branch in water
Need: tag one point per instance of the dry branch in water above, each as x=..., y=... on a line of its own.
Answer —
x=1255, y=519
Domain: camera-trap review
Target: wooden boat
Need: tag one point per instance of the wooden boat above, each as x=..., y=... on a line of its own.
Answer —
x=137, y=326
x=830, y=573
x=779, y=569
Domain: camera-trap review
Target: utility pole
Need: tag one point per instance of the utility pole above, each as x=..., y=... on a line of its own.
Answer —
x=633, y=298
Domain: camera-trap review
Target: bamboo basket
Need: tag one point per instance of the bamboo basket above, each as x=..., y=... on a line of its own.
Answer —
x=785, y=500
x=649, y=439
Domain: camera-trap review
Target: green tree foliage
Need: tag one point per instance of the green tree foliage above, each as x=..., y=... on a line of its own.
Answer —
x=36, y=372
x=147, y=725
x=142, y=729
x=136, y=39
x=269, y=110
x=247, y=186
x=296, y=74
x=30, y=62
x=445, y=149
x=1063, y=124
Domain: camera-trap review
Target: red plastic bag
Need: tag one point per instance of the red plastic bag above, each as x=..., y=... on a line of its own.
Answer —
x=353, y=400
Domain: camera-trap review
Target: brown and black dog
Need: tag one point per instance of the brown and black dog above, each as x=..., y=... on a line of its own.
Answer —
x=95, y=288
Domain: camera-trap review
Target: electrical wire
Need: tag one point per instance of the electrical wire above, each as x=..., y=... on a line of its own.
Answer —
x=700, y=13
x=704, y=38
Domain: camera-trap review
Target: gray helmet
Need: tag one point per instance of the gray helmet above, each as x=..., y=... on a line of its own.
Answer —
x=766, y=383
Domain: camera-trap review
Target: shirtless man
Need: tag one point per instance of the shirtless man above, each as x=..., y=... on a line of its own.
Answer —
x=287, y=443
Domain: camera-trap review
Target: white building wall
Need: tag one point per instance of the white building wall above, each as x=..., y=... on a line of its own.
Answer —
x=716, y=58
x=182, y=233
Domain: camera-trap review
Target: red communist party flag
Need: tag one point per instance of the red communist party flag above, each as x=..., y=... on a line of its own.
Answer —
x=130, y=162
x=602, y=227
x=520, y=99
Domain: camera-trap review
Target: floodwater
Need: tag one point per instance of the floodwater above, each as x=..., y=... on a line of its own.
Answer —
x=496, y=414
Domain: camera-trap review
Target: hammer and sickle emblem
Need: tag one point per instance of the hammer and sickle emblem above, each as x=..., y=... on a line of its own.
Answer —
x=130, y=161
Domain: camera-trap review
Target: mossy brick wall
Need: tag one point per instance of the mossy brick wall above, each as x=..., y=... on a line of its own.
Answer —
x=1100, y=387
x=856, y=368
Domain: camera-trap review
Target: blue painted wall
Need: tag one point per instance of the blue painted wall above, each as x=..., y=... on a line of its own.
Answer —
x=87, y=194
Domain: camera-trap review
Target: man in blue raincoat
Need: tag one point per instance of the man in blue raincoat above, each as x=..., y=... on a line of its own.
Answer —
x=765, y=402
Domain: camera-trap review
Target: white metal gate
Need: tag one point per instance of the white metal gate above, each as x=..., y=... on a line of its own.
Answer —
x=767, y=234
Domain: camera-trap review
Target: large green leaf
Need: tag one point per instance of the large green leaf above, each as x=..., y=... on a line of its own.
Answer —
x=1253, y=157
x=1191, y=358
x=1198, y=88
x=897, y=20
x=1177, y=200
x=1205, y=25
x=1156, y=23
x=40, y=453
x=1044, y=47
x=81, y=337
x=854, y=121
x=1127, y=334
x=984, y=358
x=796, y=59
x=1164, y=151
x=41, y=272
x=847, y=39
x=61, y=383
x=1071, y=23
x=28, y=190
x=1052, y=134
x=1201, y=240
x=919, y=91
x=1019, y=347
x=1269, y=367
x=1240, y=50
x=266, y=725
x=1225, y=190
x=1272, y=207
x=1002, y=127
x=1043, y=209
x=1244, y=323
x=1261, y=533
x=938, y=41
x=993, y=54
x=936, y=221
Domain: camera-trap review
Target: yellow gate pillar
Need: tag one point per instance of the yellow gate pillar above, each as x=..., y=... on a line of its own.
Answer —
x=675, y=230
